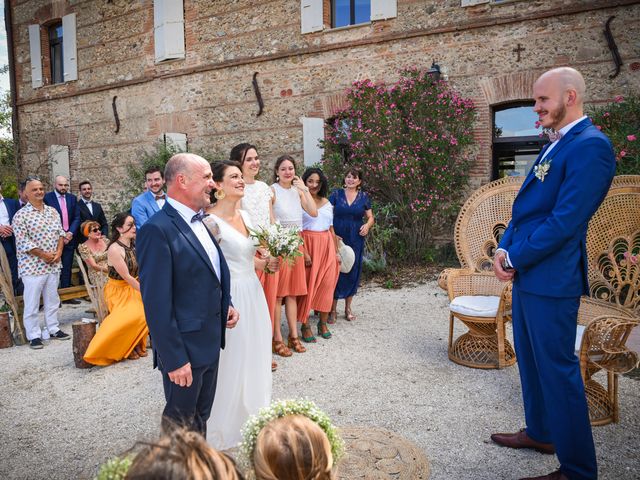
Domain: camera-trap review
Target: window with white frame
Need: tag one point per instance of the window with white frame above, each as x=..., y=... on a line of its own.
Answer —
x=60, y=54
x=168, y=30
x=344, y=13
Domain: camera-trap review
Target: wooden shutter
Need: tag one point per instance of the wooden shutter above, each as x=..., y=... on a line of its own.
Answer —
x=312, y=133
x=469, y=3
x=168, y=21
x=69, y=48
x=383, y=9
x=311, y=17
x=58, y=161
x=36, y=56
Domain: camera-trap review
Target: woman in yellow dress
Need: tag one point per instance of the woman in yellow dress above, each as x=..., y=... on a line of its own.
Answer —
x=123, y=333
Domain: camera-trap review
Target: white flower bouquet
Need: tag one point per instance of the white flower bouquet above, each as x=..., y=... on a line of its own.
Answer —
x=279, y=241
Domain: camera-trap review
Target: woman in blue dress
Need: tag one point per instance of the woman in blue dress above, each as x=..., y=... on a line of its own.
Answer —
x=350, y=207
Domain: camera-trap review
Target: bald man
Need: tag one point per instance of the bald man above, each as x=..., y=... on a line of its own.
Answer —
x=544, y=252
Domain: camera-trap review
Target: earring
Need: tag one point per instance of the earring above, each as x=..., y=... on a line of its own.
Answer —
x=219, y=194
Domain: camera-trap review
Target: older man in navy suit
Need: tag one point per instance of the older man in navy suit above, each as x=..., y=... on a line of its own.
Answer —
x=544, y=252
x=8, y=208
x=67, y=207
x=184, y=281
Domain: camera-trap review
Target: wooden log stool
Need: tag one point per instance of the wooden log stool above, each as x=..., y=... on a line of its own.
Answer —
x=6, y=339
x=83, y=333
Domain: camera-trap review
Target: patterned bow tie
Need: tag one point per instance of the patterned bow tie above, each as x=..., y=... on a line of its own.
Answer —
x=198, y=217
x=554, y=136
x=161, y=197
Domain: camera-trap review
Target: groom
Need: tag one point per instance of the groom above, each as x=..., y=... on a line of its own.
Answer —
x=544, y=251
x=184, y=281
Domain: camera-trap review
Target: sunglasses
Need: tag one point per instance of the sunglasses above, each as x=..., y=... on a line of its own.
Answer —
x=94, y=230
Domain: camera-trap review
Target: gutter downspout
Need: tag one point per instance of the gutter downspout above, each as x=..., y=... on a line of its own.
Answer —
x=15, y=126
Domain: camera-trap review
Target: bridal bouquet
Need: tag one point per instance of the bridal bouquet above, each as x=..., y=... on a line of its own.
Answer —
x=279, y=241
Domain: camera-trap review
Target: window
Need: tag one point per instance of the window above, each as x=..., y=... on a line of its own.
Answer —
x=312, y=134
x=516, y=141
x=344, y=13
x=176, y=142
x=58, y=52
x=55, y=53
x=58, y=156
x=350, y=12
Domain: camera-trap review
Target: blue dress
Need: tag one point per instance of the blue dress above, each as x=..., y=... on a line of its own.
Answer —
x=347, y=220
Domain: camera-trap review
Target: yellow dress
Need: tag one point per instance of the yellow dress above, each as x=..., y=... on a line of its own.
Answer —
x=125, y=327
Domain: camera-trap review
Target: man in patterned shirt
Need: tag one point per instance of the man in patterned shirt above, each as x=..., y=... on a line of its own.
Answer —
x=39, y=243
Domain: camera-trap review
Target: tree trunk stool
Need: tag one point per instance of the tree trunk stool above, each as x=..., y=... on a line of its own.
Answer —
x=83, y=333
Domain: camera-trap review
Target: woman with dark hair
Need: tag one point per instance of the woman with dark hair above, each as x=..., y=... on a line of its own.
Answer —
x=257, y=203
x=320, y=257
x=350, y=206
x=123, y=333
x=244, y=369
x=291, y=197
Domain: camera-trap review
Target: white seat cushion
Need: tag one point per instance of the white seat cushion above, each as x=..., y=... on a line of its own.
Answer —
x=475, y=305
x=579, y=333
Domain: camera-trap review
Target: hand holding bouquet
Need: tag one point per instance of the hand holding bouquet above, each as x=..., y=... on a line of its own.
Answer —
x=279, y=241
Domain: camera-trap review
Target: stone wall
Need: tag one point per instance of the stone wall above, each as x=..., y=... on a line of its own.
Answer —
x=209, y=95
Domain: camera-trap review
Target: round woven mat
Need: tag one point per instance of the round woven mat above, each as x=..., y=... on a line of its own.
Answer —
x=374, y=453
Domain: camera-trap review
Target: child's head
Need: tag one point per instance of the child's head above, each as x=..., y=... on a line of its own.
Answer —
x=182, y=455
x=292, y=447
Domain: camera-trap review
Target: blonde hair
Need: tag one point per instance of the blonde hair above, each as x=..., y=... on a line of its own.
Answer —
x=182, y=455
x=292, y=448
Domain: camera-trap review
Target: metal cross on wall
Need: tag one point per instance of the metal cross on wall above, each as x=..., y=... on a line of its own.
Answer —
x=519, y=50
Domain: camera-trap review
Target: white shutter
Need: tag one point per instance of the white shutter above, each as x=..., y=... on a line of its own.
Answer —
x=175, y=141
x=58, y=161
x=469, y=3
x=312, y=133
x=69, y=48
x=168, y=21
x=36, y=56
x=311, y=17
x=383, y=9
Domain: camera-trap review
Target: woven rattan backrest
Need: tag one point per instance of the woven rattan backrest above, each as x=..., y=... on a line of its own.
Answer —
x=482, y=221
x=613, y=245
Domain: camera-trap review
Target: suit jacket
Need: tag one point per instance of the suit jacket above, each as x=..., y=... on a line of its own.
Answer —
x=546, y=238
x=12, y=207
x=185, y=303
x=143, y=207
x=73, y=211
x=97, y=216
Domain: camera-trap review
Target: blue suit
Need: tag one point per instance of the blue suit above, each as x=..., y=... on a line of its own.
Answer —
x=143, y=207
x=9, y=245
x=186, y=308
x=73, y=212
x=546, y=242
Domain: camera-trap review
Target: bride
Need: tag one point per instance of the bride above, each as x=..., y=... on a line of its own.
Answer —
x=244, y=371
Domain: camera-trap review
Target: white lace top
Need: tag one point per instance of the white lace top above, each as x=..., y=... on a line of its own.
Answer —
x=256, y=203
x=287, y=208
x=322, y=222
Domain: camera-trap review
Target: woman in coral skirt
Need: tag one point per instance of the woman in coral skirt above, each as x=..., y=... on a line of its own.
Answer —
x=123, y=333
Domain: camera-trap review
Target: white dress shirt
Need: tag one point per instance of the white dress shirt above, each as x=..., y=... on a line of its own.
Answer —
x=200, y=231
x=89, y=205
x=4, y=213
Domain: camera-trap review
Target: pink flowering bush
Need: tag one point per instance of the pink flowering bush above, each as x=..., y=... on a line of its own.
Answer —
x=411, y=141
x=620, y=121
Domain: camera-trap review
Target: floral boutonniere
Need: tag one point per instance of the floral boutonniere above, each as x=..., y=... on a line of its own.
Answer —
x=542, y=169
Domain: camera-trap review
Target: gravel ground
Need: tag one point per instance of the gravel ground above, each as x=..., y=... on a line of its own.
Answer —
x=387, y=369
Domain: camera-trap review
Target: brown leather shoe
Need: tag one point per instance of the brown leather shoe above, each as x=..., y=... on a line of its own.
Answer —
x=522, y=440
x=557, y=475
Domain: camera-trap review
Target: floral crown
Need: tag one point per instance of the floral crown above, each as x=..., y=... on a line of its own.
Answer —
x=282, y=408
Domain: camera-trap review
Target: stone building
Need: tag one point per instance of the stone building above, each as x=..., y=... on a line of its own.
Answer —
x=97, y=82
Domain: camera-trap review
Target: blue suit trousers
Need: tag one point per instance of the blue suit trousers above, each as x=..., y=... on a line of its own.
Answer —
x=556, y=411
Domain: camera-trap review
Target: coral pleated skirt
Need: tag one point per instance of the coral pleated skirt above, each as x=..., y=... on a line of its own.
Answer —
x=321, y=276
x=292, y=280
x=123, y=329
x=269, y=282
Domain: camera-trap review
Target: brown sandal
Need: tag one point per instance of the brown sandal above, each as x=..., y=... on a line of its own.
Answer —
x=279, y=348
x=133, y=355
x=296, y=345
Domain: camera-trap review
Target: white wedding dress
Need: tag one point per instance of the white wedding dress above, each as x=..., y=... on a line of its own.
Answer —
x=244, y=372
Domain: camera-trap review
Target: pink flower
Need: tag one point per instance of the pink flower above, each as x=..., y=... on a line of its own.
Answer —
x=623, y=153
x=631, y=138
x=619, y=99
x=598, y=127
